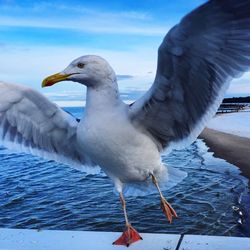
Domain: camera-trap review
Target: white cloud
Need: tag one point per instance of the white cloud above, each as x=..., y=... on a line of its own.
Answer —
x=80, y=18
x=240, y=86
x=90, y=25
x=40, y=7
x=30, y=65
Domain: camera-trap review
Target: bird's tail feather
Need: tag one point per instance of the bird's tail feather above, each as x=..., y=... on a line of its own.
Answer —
x=168, y=180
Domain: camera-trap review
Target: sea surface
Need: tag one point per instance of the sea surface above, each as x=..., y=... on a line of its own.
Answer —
x=213, y=199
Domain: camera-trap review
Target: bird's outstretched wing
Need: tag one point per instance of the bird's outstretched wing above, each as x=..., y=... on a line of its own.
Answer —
x=196, y=61
x=30, y=123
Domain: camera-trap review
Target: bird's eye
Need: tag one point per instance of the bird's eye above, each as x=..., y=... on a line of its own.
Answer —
x=80, y=65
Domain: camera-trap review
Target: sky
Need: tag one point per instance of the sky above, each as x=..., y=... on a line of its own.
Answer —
x=40, y=38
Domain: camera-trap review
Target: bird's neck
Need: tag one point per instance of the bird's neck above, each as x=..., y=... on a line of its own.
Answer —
x=103, y=97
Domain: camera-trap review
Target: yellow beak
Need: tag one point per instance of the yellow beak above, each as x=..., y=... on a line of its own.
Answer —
x=51, y=80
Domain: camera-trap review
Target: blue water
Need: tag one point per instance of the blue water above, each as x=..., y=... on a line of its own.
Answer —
x=39, y=194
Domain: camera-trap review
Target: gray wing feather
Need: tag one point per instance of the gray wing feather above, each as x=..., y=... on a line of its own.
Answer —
x=30, y=123
x=196, y=61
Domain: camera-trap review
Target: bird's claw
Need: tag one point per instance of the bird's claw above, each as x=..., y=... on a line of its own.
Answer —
x=168, y=210
x=129, y=236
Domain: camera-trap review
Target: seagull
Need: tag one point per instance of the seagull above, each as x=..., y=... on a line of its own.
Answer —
x=196, y=62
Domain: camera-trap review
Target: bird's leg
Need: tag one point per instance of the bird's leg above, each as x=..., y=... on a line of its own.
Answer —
x=129, y=235
x=166, y=207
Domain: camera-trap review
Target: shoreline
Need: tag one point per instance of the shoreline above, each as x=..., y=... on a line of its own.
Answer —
x=232, y=148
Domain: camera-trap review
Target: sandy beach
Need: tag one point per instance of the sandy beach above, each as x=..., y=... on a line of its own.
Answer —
x=234, y=149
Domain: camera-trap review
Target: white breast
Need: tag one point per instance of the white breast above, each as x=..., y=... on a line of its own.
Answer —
x=114, y=144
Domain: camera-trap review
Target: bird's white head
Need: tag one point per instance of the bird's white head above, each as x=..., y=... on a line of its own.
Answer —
x=89, y=70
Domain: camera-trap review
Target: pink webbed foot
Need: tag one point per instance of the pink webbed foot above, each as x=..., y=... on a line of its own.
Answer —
x=168, y=210
x=129, y=236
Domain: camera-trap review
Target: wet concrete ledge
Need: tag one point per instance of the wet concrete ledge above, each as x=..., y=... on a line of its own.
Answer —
x=26, y=239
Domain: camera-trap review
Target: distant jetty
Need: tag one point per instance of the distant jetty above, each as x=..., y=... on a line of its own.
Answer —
x=230, y=107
